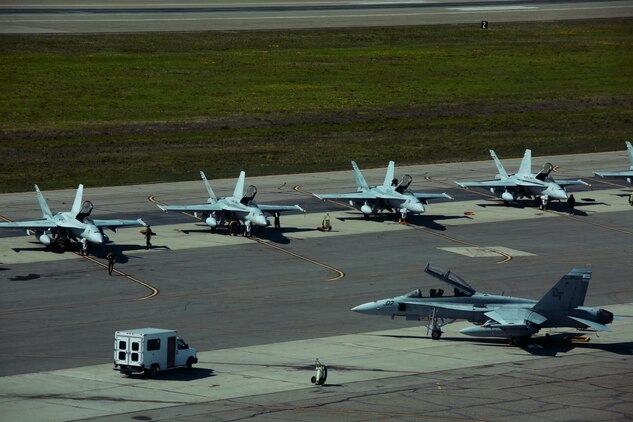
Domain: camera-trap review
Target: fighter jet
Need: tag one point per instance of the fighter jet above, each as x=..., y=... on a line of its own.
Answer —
x=524, y=183
x=392, y=195
x=75, y=224
x=624, y=174
x=241, y=206
x=496, y=316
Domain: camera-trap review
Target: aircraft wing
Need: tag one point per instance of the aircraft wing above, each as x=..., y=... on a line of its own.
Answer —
x=277, y=208
x=567, y=182
x=118, y=223
x=487, y=184
x=515, y=316
x=356, y=195
x=42, y=224
x=626, y=173
x=200, y=208
x=432, y=195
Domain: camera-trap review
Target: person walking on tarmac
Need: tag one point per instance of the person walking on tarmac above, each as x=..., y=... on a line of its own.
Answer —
x=111, y=260
x=277, y=223
x=631, y=199
x=148, y=237
x=571, y=203
x=247, y=228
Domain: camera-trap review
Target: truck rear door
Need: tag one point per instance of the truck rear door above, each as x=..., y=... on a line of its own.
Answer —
x=128, y=350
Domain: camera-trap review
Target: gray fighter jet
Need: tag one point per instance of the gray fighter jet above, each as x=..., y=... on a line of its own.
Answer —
x=69, y=225
x=496, y=316
x=624, y=174
x=392, y=195
x=524, y=183
x=241, y=206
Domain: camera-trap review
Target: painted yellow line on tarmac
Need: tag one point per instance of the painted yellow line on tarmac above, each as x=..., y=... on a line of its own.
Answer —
x=154, y=290
x=506, y=257
x=297, y=188
x=340, y=274
x=5, y=219
x=153, y=200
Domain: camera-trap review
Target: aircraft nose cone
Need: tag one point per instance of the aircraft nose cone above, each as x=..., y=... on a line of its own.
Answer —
x=556, y=192
x=365, y=308
x=96, y=238
x=415, y=207
x=261, y=220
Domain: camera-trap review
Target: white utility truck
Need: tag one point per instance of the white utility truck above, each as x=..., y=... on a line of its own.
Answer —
x=149, y=350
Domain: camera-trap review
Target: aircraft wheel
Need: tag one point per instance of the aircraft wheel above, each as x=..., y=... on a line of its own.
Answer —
x=436, y=334
x=366, y=216
x=313, y=379
x=506, y=203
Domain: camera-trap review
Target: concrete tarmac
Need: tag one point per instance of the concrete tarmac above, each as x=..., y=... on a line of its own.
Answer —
x=95, y=16
x=261, y=310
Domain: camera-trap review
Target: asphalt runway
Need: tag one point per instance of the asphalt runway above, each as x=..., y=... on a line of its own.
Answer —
x=94, y=16
x=261, y=310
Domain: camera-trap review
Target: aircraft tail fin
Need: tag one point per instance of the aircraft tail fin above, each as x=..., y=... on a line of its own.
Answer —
x=239, y=186
x=629, y=147
x=361, y=183
x=78, y=198
x=389, y=176
x=212, y=197
x=502, y=171
x=568, y=293
x=526, y=163
x=46, y=212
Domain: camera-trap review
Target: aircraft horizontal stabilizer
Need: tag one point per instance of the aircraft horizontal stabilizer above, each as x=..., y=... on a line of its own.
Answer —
x=591, y=324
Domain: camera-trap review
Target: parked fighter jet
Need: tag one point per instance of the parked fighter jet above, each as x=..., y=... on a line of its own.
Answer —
x=496, y=316
x=624, y=174
x=524, y=183
x=240, y=206
x=74, y=224
x=392, y=195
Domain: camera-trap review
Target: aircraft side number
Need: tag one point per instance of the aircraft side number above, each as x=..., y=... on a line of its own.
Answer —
x=389, y=303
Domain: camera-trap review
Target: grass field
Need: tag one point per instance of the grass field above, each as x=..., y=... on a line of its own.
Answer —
x=129, y=108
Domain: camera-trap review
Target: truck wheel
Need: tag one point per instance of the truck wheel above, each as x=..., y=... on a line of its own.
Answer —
x=189, y=363
x=152, y=371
